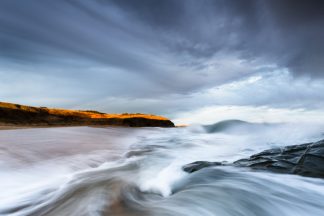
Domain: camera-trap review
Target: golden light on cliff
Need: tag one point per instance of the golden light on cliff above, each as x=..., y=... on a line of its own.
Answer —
x=80, y=113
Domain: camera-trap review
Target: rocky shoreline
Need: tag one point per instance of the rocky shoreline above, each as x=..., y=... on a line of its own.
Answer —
x=304, y=159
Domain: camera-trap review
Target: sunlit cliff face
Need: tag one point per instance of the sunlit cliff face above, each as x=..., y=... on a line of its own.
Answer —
x=80, y=113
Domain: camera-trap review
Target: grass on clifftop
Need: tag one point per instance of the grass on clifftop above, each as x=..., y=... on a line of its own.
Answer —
x=79, y=113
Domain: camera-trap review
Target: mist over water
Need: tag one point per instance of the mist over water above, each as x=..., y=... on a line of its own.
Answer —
x=124, y=171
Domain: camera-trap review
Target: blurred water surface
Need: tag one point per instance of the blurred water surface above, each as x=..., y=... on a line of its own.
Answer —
x=125, y=171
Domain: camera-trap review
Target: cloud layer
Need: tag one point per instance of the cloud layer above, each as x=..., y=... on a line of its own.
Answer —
x=162, y=56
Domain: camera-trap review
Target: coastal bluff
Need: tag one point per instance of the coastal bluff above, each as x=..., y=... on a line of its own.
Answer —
x=21, y=115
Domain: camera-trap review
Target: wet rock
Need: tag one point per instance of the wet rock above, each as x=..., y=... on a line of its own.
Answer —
x=197, y=165
x=305, y=159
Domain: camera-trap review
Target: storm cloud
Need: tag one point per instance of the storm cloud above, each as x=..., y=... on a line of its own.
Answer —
x=284, y=32
x=159, y=54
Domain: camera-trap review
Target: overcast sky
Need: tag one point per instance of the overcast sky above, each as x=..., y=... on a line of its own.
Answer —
x=193, y=61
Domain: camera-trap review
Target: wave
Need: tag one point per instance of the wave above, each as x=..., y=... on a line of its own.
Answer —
x=114, y=190
x=236, y=126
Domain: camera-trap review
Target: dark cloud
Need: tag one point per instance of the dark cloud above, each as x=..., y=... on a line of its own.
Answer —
x=300, y=26
x=152, y=48
x=166, y=14
x=284, y=32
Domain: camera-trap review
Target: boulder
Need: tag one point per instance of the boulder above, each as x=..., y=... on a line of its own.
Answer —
x=198, y=165
x=305, y=159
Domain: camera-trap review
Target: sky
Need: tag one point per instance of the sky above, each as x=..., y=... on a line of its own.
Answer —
x=192, y=61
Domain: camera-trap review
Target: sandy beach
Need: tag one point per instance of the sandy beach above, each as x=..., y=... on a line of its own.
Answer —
x=36, y=144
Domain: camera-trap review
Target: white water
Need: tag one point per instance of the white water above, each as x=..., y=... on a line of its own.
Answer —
x=119, y=171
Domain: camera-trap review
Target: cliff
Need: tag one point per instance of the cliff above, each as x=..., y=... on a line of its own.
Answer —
x=20, y=115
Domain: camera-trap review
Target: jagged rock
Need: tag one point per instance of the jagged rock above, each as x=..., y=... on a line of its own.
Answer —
x=305, y=159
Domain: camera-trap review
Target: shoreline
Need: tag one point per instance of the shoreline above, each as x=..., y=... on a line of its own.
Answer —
x=17, y=127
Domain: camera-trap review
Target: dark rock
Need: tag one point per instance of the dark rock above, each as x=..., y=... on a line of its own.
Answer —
x=197, y=165
x=144, y=122
x=305, y=159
